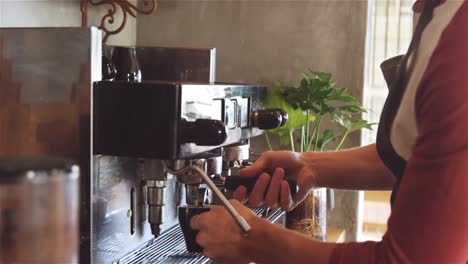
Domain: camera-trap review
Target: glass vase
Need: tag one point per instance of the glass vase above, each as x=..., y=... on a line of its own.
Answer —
x=310, y=216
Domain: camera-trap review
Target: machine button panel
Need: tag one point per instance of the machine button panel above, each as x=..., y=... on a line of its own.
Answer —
x=244, y=112
x=231, y=114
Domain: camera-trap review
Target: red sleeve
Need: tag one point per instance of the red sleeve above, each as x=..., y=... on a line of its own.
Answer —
x=429, y=220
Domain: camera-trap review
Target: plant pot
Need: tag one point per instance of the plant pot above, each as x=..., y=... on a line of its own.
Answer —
x=310, y=216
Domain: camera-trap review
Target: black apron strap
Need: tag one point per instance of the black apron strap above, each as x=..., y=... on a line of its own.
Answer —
x=397, y=72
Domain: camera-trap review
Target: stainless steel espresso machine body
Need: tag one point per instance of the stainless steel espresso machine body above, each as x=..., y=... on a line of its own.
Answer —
x=178, y=125
x=60, y=95
x=170, y=120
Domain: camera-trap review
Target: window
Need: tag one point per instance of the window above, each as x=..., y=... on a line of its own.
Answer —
x=389, y=31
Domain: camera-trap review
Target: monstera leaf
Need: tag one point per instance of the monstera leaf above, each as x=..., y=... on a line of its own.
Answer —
x=314, y=100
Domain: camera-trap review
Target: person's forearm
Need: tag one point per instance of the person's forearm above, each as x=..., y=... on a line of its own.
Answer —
x=269, y=243
x=356, y=169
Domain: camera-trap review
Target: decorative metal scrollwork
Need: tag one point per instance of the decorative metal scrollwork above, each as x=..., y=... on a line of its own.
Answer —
x=148, y=7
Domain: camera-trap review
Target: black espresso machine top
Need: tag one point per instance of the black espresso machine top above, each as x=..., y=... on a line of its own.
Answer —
x=173, y=120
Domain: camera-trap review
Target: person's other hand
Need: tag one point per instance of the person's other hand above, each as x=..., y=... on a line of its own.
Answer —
x=277, y=165
x=220, y=236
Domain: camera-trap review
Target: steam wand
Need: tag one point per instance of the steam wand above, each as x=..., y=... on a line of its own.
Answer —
x=237, y=217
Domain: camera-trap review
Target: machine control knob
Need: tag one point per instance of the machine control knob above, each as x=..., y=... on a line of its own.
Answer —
x=269, y=118
x=203, y=132
x=284, y=115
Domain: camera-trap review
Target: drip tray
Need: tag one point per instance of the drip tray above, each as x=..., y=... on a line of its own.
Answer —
x=169, y=247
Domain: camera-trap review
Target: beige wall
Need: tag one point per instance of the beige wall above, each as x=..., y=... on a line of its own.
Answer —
x=259, y=41
x=58, y=13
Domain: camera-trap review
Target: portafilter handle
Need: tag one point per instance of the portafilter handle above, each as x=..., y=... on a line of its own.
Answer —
x=237, y=217
x=233, y=182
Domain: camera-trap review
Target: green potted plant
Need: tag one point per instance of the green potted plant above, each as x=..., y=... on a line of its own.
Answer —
x=315, y=100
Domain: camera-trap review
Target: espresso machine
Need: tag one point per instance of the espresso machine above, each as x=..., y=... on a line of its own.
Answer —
x=169, y=128
x=144, y=124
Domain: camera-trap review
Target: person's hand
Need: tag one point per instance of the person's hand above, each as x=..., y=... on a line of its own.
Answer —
x=281, y=165
x=220, y=236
